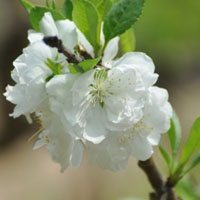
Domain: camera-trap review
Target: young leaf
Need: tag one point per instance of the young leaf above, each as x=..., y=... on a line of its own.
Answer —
x=55, y=67
x=185, y=190
x=121, y=17
x=127, y=41
x=37, y=13
x=195, y=162
x=174, y=134
x=88, y=21
x=73, y=68
x=165, y=155
x=67, y=9
x=47, y=4
x=27, y=5
x=193, y=142
x=89, y=64
x=54, y=5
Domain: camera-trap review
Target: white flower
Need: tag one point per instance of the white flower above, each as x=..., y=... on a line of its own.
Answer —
x=113, y=109
x=63, y=148
x=100, y=101
x=30, y=74
x=113, y=152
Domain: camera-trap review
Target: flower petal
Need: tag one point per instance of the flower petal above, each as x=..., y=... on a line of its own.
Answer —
x=48, y=26
x=67, y=33
x=111, y=50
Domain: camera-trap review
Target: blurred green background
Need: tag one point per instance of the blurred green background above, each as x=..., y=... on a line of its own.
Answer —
x=169, y=32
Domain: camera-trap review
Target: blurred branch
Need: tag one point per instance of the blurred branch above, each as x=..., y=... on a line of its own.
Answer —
x=163, y=190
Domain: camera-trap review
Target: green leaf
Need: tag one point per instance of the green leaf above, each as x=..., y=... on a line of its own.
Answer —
x=193, y=142
x=165, y=155
x=74, y=69
x=89, y=64
x=55, y=67
x=127, y=41
x=54, y=5
x=121, y=17
x=185, y=190
x=102, y=6
x=114, y=1
x=195, y=162
x=67, y=9
x=88, y=21
x=38, y=12
x=47, y=4
x=174, y=134
x=27, y=5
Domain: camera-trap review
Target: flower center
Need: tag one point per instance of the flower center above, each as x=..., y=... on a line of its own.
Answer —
x=100, y=87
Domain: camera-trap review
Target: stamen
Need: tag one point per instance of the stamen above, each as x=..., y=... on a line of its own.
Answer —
x=35, y=134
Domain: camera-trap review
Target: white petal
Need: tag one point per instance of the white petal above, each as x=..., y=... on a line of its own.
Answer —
x=94, y=129
x=39, y=143
x=84, y=42
x=102, y=38
x=141, y=148
x=20, y=68
x=109, y=154
x=121, y=115
x=77, y=154
x=59, y=146
x=48, y=26
x=154, y=138
x=14, y=93
x=160, y=120
x=111, y=50
x=56, y=85
x=142, y=63
x=80, y=88
x=26, y=97
x=34, y=36
x=67, y=33
x=37, y=53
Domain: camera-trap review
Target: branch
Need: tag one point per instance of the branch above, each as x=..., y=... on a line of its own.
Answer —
x=57, y=43
x=53, y=41
x=163, y=191
x=153, y=175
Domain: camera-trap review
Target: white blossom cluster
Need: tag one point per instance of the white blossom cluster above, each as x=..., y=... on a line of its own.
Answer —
x=113, y=112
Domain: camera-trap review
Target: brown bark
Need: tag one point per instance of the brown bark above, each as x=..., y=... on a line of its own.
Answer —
x=163, y=190
x=55, y=42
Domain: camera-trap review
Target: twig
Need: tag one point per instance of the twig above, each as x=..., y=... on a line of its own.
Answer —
x=57, y=43
x=53, y=41
x=163, y=191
